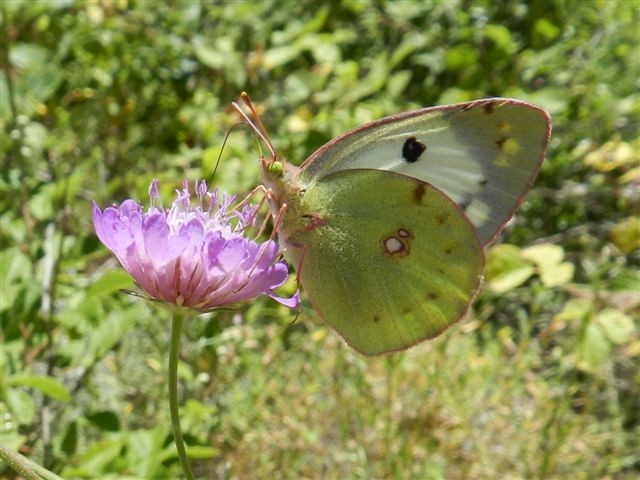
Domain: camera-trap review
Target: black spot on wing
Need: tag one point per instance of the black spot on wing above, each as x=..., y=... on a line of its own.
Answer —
x=464, y=204
x=442, y=218
x=412, y=149
x=488, y=107
x=418, y=193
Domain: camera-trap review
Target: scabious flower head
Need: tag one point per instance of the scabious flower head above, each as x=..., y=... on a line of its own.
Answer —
x=192, y=255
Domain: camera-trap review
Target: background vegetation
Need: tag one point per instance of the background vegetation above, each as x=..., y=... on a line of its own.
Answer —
x=99, y=97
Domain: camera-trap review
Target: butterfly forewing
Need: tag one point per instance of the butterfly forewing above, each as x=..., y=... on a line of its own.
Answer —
x=484, y=155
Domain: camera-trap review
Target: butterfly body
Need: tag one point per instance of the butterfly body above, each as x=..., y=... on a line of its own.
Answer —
x=386, y=224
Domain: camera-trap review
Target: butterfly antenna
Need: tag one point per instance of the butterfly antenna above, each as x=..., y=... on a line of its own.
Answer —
x=253, y=120
x=244, y=96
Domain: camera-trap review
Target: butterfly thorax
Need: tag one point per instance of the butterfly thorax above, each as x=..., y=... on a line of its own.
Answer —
x=285, y=199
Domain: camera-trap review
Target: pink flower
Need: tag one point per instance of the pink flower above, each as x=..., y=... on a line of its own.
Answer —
x=192, y=256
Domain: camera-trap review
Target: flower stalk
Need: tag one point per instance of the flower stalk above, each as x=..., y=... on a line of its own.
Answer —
x=174, y=357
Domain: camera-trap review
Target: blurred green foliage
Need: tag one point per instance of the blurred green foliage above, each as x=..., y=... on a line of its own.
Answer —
x=99, y=97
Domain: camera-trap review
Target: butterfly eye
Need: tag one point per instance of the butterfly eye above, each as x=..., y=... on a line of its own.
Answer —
x=276, y=169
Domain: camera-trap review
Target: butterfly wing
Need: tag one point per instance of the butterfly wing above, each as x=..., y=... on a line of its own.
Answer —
x=386, y=259
x=484, y=155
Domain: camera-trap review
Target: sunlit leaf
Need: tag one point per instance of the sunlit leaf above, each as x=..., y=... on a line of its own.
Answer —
x=543, y=254
x=575, y=309
x=555, y=275
x=626, y=234
x=616, y=325
x=506, y=268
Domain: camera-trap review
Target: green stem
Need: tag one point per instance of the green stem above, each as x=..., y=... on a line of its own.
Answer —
x=26, y=468
x=176, y=330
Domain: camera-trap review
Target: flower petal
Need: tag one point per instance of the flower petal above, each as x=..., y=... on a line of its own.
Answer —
x=291, y=302
x=160, y=246
x=192, y=255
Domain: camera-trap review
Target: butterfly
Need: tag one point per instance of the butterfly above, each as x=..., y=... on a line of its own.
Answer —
x=386, y=225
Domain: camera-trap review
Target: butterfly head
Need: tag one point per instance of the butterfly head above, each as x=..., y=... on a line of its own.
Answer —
x=274, y=168
x=275, y=173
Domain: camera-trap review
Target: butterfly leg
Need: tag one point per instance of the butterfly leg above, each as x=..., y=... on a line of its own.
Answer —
x=265, y=194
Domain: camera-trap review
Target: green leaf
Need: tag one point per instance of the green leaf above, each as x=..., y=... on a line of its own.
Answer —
x=47, y=385
x=397, y=83
x=510, y=279
x=145, y=450
x=69, y=443
x=616, y=325
x=96, y=459
x=627, y=280
x=548, y=257
x=556, y=275
x=325, y=49
x=545, y=31
x=106, y=420
x=106, y=335
x=575, y=310
x=278, y=56
x=501, y=37
x=15, y=268
x=460, y=57
x=37, y=76
x=111, y=281
x=593, y=348
x=626, y=234
x=22, y=406
x=506, y=269
x=543, y=254
x=211, y=54
x=202, y=452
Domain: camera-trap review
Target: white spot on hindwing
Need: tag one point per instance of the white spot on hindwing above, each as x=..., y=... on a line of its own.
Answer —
x=398, y=243
x=393, y=245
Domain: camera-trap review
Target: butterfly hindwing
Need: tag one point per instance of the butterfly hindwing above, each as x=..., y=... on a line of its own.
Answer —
x=484, y=155
x=386, y=259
